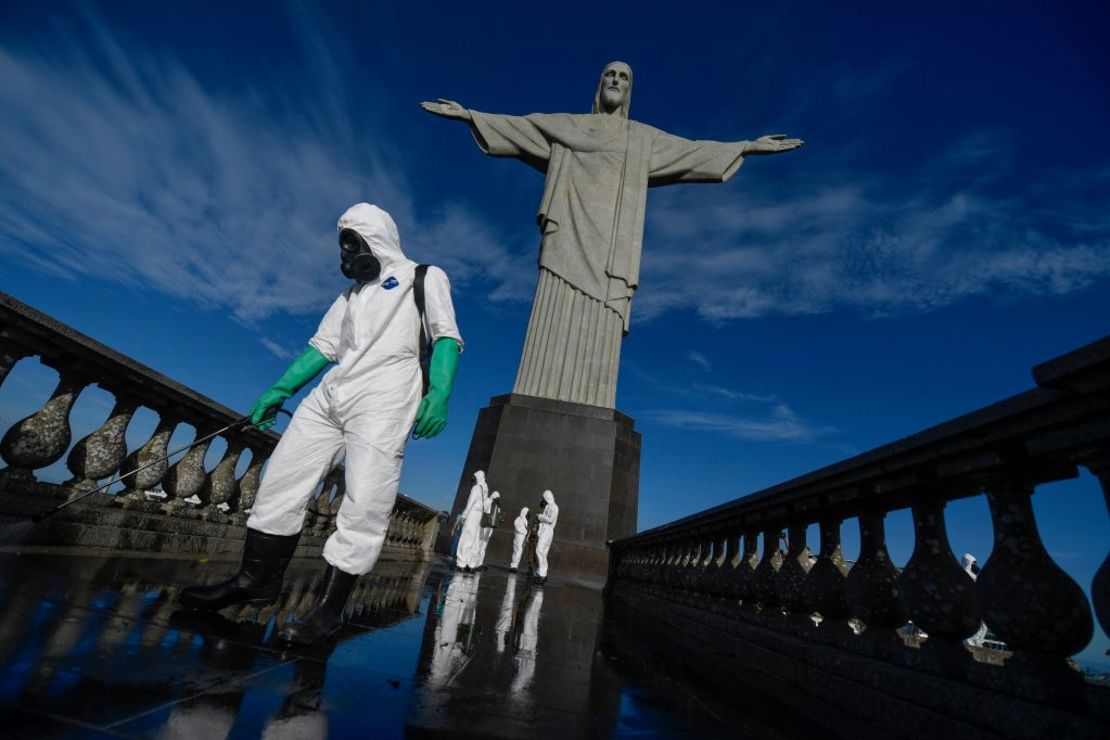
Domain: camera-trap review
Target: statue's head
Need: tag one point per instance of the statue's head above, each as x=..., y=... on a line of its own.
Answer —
x=614, y=91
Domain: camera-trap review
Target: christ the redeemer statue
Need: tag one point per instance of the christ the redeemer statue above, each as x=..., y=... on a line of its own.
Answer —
x=599, y=167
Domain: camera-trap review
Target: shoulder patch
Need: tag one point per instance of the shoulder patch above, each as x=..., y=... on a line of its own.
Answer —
x=390, y=283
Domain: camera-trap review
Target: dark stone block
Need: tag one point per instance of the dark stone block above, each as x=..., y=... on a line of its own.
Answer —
x=587, y=455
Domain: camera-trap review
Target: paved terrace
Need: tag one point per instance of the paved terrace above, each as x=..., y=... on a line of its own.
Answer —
x=94, y=646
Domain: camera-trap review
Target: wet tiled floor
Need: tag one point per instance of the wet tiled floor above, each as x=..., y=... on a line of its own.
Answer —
x=93, y=646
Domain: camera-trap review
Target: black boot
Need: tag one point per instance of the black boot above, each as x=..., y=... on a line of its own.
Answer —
x=265, y=557
x=326, y=616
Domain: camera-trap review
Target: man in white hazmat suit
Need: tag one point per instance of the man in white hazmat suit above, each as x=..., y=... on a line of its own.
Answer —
x=466, y=558
x=489, y=523
x=362, y=410
x=548, y=515
x=520, y=533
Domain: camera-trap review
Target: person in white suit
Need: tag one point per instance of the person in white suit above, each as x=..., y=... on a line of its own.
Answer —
x=470, y=543
x=520, y=534
x=547, y=518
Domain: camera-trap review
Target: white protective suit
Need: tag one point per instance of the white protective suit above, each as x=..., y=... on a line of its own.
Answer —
x=470, y=541
x=487, y=532
x=364, y=407
x=547, y=519
x=520, y=530
x=980, y=635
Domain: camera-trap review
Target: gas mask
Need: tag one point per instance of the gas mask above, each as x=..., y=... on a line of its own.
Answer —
x=356, y=259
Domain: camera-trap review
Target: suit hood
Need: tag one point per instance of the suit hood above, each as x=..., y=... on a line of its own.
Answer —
x=378, y=229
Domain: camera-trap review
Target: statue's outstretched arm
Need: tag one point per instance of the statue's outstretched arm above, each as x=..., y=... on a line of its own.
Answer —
x=771, y=144
x=447, y=109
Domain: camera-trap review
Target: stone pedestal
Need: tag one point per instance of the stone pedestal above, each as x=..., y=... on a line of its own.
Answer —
x=588, y=456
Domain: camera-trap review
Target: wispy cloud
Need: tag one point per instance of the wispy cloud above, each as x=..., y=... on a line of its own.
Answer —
x=780, y=425
x=278, y=350
x=768, y=419
x=120, y=164
x=730, y=394
x=700, y=360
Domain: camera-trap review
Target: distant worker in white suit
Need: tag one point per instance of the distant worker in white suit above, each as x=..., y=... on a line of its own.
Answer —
x=520, y=529
x=490, y=522
x=466, y=557
x=971, y=567
x=549, y=514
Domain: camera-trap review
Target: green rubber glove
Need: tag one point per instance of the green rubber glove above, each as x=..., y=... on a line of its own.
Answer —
x=302, y=370
x=431, y=416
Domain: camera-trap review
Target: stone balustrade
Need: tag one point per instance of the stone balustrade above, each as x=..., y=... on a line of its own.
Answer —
x=831, y=632
x=177, y=506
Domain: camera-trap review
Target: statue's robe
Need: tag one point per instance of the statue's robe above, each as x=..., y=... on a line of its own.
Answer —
x=592, y=223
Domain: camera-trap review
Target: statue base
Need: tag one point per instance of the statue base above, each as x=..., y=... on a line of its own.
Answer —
x=588, y=456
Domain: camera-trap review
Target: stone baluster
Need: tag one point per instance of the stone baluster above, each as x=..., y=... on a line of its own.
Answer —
x=711, y=570
x=408, y=538
x=677, y=567
x=186, y=476
x=743, y=579
x=391, y=528
x=43, y=437
x=398, y=523
x=823, y=591
x=10, y=354
x=1099, y=465
x=690, y=568
x=101, y=453
x=872, y=585
x=695, y=580
x=726, y=566
x=334, y=505
x=645, y=565
x=666, y=563
x=795, y=567
x=763, y=578
x=669, y=570
x=1028, y=601
x=629, y=564
x=667, y=567
x=431, y=531
x=219, y=487
x=406, y=528
x=938, y=594
x=154, y=449
x=247, y=487
x=655, y=567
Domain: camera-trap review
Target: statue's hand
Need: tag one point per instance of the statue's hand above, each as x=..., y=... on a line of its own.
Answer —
x=772, y=144
x=447, y=109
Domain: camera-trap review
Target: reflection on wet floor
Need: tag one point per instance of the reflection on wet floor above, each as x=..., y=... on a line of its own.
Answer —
x=92, y=645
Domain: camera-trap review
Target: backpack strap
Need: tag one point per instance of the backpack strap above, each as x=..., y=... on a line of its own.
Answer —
x=425, y=350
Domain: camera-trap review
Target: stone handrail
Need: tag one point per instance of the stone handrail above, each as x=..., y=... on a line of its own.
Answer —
x=709, y=561
x=188, y=490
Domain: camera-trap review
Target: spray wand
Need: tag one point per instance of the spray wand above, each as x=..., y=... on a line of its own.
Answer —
x=237, y=423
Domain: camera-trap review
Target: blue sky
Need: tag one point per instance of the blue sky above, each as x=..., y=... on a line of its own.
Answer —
x=170, y=179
